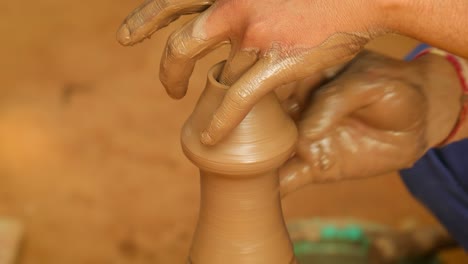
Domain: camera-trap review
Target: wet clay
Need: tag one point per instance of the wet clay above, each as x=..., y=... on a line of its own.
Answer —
x=274, y=68
x=383, y=109
x=240, y=220
x=143, y=22
x=284, y=55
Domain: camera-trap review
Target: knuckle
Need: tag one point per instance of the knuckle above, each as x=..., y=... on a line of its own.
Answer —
x=217, y=124
x=255, y=31
x=239, y=99
x=356, y=43
x=223, y=10
x=177, y=45
x=231, y=6
x=173, y=49
x=156, y=6
x=149, y=9
x=217, y=120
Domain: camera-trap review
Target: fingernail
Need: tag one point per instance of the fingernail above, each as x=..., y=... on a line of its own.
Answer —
x=206, y=139
x=123, y=35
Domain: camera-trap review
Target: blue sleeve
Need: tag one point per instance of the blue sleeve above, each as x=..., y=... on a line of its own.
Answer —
x=440, y=181
x=416, y=51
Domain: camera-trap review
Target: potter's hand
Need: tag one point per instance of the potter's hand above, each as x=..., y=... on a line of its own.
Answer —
x=153, y=15
x=288, y=40
x=378, y=116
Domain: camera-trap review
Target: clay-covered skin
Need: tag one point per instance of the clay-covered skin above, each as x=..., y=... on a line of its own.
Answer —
x=291, y=95
x=273, y=69
x=240, y=220
x=390, y=247
x=153, y=15
x=379, y=115
x=291, y=39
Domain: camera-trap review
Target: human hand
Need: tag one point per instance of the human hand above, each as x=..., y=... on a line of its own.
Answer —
x=283, y=41
x=379, y=115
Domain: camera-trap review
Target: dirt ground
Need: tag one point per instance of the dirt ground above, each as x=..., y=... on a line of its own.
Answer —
x=90, y=160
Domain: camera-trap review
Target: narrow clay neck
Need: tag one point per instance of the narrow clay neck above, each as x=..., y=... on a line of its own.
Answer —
x=241, y=221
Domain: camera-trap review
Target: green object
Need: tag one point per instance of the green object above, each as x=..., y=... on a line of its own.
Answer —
x=338, y=243
x=353, y=233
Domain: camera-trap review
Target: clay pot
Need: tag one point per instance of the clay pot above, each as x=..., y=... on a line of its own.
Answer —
x=240, y=220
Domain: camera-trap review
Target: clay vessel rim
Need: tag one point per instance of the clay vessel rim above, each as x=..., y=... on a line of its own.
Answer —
x=214, y=73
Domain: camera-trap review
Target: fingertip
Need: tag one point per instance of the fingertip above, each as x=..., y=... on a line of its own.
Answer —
x=223, y=121
x=174, y=89
x=123, y=35
x=293, y=176
x=175, y=96
x=206, y=138
x=287, y=178
x=216, y=130
x=175, y=93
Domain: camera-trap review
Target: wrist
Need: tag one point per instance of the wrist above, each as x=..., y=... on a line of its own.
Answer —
x=442, y=88
x=380, y=13
x=358, y=16
x=461, y=134
x=391, y=11
x=399, y=15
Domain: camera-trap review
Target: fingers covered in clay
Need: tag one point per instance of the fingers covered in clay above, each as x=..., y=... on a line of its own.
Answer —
x=153, y=15
x=293, y=96
x=378, y=116
x=239, y=100
x=238, y=63
x=275, y=68
x=318, y=157
x=184, y=47
x=334, y=102
x=287, y=49
x=295, y=174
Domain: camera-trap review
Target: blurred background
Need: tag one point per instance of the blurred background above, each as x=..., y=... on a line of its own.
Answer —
x=90, y=161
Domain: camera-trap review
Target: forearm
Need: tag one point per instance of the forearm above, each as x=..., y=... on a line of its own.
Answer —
x=442, y=24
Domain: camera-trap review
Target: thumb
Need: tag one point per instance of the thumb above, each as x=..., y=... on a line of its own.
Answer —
x=331, y=104
x=295, y=174
x=326, y=108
